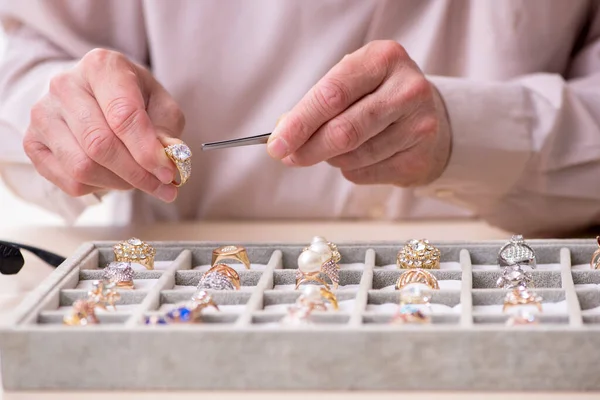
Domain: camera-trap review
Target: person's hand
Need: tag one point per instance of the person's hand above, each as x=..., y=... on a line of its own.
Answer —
x=103, y=125
x=375, y=116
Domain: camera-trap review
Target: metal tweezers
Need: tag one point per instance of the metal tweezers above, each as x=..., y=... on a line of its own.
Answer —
x=247, y=141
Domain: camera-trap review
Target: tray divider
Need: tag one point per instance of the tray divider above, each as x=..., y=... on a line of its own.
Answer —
x=466, y=289
x=573, y=306
x=266, y=282
x=166, y=281
x=362, y=296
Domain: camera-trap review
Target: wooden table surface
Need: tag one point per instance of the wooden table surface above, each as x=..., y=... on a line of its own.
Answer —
x=65, y=240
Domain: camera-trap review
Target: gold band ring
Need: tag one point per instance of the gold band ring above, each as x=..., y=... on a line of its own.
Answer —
x=237, y=253
x=417, y=276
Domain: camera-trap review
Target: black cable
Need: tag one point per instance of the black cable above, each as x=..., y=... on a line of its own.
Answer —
x=11, y=259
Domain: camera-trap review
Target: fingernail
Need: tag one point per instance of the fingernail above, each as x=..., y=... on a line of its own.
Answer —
x=277, y=128
x=165, y=175
x=166, y=193
x=277, y=148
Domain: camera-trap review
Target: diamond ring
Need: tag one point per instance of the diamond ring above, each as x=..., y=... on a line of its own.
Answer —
x=135, y=251
x=514, y=276
x=230, y=252
x=181, y=155
x=517, y=252
x=417, y=275
x=121, y=273
x=220, y=277
x=319, y=258
x=418, y=254
x=521, y=296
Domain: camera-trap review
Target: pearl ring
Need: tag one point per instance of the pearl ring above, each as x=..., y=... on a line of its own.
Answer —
x=320, y=258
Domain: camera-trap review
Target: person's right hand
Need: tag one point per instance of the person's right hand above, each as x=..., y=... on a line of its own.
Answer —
x=104, y=125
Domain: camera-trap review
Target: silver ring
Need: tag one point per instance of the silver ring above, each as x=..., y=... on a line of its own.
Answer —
x=120, y=273
x=517, y=252
x=220, y=277
x=513, y=276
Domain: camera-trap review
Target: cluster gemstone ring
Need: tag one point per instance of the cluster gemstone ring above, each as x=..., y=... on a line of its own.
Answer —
x=181, y=155
x=121, y=273
x=318, y=261
x=418, y=254
x=187, y=312
x=83, y=313
x=230, y=252
x=220, y=277
x=521, y=296
x=135, y=251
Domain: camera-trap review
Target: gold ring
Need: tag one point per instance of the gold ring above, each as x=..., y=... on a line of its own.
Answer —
x=83, y=313
x=595, y=263
x=220, y=277
x=417, y=275
x=418, y=254
x=104, y=293
x=231, y=253
x=84, y=310
x=135, y=251
x=181, y=155
x=321, y=257
x=121, y=273
x=315, y=297
x=521, y=297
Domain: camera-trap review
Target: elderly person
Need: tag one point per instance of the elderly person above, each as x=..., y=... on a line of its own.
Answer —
x=393, y=109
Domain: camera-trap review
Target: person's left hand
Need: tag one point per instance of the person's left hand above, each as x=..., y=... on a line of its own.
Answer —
x=375, y=116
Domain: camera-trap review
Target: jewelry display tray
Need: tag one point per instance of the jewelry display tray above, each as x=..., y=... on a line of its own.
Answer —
x=468, y=345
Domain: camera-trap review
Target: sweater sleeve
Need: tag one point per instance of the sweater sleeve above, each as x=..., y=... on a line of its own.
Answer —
x=43, y=38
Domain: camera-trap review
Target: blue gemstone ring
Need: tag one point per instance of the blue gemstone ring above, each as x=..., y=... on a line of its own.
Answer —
x=188, y=312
